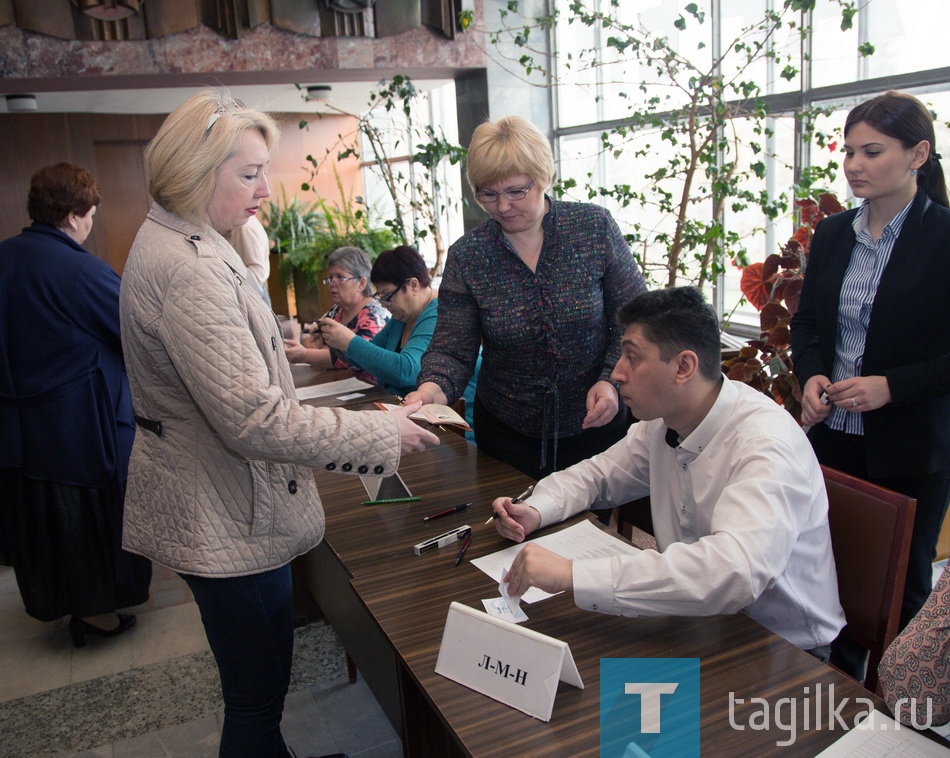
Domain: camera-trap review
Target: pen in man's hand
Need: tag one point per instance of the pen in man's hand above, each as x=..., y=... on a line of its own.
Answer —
x=518, y=499
x=447, y=511
x=461, y=553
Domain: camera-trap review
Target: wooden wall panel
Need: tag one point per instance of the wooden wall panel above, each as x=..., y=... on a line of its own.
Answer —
x=120, y=172
x=111, y=147
x=33, y=140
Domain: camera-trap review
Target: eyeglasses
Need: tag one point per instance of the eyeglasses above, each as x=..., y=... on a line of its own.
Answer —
x=488, y=197
x=339, y=279
x=387, y=299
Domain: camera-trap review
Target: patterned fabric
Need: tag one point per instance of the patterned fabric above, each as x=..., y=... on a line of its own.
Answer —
x=868, y=261
x=915, y=669
x=366, y=324
x=547, y=335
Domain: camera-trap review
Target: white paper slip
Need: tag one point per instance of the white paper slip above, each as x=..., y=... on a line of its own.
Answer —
x=880, y=736
x=329, y=389
x=576, y=543
x=498, y=608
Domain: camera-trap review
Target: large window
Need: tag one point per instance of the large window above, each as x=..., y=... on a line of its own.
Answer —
x=430, y=204
x=598, y=93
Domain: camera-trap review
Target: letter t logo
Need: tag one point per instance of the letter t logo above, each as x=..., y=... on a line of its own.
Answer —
x=649, y=693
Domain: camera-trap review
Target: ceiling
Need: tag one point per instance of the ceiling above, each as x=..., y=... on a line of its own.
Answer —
x=349, y=97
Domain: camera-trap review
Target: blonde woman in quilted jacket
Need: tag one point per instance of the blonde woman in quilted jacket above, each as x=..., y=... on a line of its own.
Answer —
x=220, y=487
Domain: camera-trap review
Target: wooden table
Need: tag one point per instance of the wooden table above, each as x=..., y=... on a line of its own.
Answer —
x=389, y=607
x=307, y=376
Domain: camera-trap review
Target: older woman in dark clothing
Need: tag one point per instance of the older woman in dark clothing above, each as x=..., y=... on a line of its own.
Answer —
x=66, y=416
x=536, y=287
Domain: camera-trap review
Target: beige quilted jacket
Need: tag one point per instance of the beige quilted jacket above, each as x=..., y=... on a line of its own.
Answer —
x=225, y=489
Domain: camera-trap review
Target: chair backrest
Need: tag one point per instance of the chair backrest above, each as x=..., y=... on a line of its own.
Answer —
x=870, y=536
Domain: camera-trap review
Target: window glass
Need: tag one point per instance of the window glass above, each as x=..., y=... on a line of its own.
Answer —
x=742, y=21
x=759, y=235
x=907, y=36
x=834, y=52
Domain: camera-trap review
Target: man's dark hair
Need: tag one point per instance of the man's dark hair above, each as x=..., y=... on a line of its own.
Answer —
x=677, y=319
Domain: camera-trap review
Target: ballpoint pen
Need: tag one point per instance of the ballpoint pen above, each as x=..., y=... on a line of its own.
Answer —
x=387, y=500
x=518, y=499
x=447, y=511
x=461, y=553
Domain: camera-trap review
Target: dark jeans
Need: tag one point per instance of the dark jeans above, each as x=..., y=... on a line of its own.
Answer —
x=495, y=438
x=249, y=621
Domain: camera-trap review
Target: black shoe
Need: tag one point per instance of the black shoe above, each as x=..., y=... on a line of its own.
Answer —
x=78, y=628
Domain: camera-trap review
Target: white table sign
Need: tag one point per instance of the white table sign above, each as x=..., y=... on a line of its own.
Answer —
x=515, y=666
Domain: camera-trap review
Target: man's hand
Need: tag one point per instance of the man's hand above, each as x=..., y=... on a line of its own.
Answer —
x=412, y=437
x=515, y=520
x=535, y=566
x=602, y=405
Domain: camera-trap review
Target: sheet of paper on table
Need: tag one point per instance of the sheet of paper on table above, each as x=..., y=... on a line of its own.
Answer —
x=332, y=388
x=880, y=736
x=583, y=540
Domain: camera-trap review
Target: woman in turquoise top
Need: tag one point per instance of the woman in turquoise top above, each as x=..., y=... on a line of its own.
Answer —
x=393, y=356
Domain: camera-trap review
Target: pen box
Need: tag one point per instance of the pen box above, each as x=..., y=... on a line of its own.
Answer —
x=453, y=535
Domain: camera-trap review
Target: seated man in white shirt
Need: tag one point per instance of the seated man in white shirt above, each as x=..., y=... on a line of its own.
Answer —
x=740, y=512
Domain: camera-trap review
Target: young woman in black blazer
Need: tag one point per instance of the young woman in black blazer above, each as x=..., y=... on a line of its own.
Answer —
x=870, y=339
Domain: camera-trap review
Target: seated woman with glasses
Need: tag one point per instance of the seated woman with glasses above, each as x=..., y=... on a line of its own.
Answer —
x=393, y=356
x=536, y=286
x=354, y=307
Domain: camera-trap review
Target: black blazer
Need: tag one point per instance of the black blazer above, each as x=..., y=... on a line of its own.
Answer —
x=908, y=339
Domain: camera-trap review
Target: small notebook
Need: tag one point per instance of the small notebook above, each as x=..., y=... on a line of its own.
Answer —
x=434, y=413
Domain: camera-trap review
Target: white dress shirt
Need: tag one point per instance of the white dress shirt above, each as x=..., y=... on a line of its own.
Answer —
x=740, y=516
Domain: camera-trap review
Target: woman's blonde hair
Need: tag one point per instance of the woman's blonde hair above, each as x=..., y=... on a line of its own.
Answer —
x=506, y=147
x=196, y=139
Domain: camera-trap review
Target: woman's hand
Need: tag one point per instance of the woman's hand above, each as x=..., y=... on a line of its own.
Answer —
x=335, y=334
x=515, y=520
x=295, y=352
x=412, y=437
x=602, y=405
x=813, y=410
x=860, y=393
x=312, y=337
x=426, y=393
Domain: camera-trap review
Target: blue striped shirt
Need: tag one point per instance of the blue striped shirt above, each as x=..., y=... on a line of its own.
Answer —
x=861, y=280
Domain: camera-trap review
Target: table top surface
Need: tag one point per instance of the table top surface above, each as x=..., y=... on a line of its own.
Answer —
x=409, y=596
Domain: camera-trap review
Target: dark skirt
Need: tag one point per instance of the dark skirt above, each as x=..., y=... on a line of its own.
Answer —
x=64, y=543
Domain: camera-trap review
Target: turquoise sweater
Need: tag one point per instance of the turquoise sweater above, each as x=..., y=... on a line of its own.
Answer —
x=395, y=369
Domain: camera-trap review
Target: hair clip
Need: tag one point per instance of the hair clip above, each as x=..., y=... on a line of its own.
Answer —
x=214, y=117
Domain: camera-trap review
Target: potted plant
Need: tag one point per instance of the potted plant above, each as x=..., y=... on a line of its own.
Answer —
x=328, y=226
x=774, y=287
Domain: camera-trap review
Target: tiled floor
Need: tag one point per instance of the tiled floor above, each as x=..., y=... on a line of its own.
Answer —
x=38, y=657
